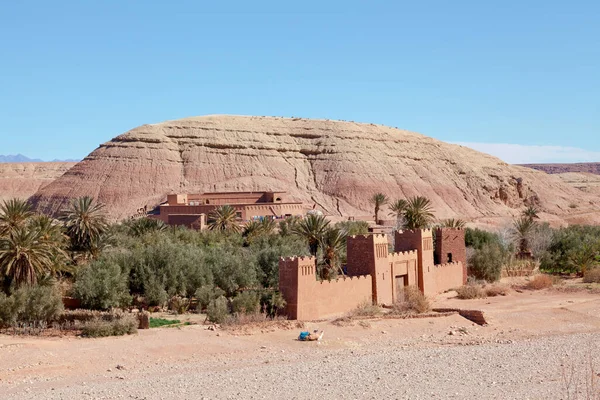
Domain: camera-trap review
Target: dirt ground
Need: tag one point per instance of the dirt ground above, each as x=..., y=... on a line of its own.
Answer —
x=194, y=362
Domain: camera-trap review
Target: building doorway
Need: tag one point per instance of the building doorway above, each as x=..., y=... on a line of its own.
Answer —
x=401, y=284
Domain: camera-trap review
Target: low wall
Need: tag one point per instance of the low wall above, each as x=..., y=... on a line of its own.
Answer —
x=448, y=276
x=324, y=299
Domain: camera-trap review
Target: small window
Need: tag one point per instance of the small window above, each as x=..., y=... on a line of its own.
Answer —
x=449, y=257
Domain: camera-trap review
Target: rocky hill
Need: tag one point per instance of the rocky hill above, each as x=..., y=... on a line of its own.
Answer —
x=590, y=168
x=22, y=180
x=336, y=165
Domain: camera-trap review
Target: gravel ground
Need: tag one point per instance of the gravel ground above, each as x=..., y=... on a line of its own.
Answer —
x=526, y=369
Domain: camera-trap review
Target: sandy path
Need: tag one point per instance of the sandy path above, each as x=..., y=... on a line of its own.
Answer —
x=518, y=356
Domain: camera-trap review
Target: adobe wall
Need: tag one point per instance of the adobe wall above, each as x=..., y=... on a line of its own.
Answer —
x=403, y=271
x=310, y=299
x=450, y=247
x=448, y=276
x=368, y=254
x=420, y=240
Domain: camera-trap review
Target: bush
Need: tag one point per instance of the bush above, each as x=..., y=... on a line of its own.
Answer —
x=217, y=311
x=539, y=282
x=486, y=262
x=116, y=326
x=247, y=302
x=206, y=294
x=414, y=302
x=365, y=309
x=467, y=292
x=35, y=305
x=571, y=249
x=495, y=290
x=478, y=238
x=272, y=302
x=592, y=275
x=178, y=304
x=102, y=285
x=154, y=293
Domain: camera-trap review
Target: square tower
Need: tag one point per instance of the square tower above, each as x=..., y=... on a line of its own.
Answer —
x=450, y=247
x=420, y=240
x=368, y=255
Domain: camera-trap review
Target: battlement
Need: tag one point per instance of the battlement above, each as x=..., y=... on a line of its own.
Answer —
x=377, y=237
x=449, y=265
x=403, y=254
x=442, y=228
x=300, y=259
x=413, y=231
x=348, y=278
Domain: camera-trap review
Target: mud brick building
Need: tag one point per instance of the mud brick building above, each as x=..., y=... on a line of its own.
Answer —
x=191, y=210
x=374, y=274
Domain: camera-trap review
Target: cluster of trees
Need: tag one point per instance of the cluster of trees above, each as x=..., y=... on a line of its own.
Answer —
x=413, y=213
x=34, y=245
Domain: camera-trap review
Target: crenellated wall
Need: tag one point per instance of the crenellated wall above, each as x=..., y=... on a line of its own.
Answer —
x=448, y=276
x=374, y=274
x=308, y=298
x=450, y=247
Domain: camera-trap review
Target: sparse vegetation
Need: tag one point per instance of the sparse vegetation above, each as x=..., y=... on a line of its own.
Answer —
x=413, y=302
x=592, y=275
x=160, y=322
x=539, y=282
x=468, y=292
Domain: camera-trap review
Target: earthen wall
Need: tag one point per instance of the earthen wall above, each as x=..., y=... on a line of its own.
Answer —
x=448, y=276
x=450, y=247
x=310, y=299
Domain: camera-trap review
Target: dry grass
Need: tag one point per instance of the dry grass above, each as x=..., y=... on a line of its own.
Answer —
x=592, y=275
x=366, y=309
x=468, y=292
x=539, y=282
x=496, y=289
x=414, y=302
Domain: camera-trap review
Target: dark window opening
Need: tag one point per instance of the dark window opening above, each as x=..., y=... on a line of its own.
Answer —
x=449, y=257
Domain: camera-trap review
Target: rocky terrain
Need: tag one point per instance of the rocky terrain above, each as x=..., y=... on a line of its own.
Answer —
x=22, y=180
x=591, y=168
x=336, y=165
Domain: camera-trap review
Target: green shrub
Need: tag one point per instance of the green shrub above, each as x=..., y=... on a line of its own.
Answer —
x=478, y=238
x=487, y=261
x=205, y=295
x=572, y=249
x=352, y=228
x=154, y=293
x=592, y=275
x=218, y=310
x=272, y=303
x=102, y=285
x=247, y=302
x=34, y=305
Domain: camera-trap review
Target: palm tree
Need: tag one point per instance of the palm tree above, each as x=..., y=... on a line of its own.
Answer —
x=378, y=200
x=141, y=226
x=453, y=223
x=312, y=229
x=85, y=223
x=332, y=244
x=224, y=219
x=530, y=212
x=584, y=256
x=521, y=233
x=397, y=209
x=418, y=213
x=25, y=255
x=14, y=213
x=50, y=231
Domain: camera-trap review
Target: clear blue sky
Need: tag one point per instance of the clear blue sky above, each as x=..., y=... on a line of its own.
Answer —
x=74, y=74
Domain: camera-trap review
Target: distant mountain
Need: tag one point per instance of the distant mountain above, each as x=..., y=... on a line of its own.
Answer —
x=590, y=168
x=18, y=158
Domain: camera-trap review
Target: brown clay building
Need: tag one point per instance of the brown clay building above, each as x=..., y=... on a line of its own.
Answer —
x=191, y=209
x=374, y=274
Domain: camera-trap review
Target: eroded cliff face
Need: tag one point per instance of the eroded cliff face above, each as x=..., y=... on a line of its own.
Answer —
x=334, y=164
x=21, y=180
